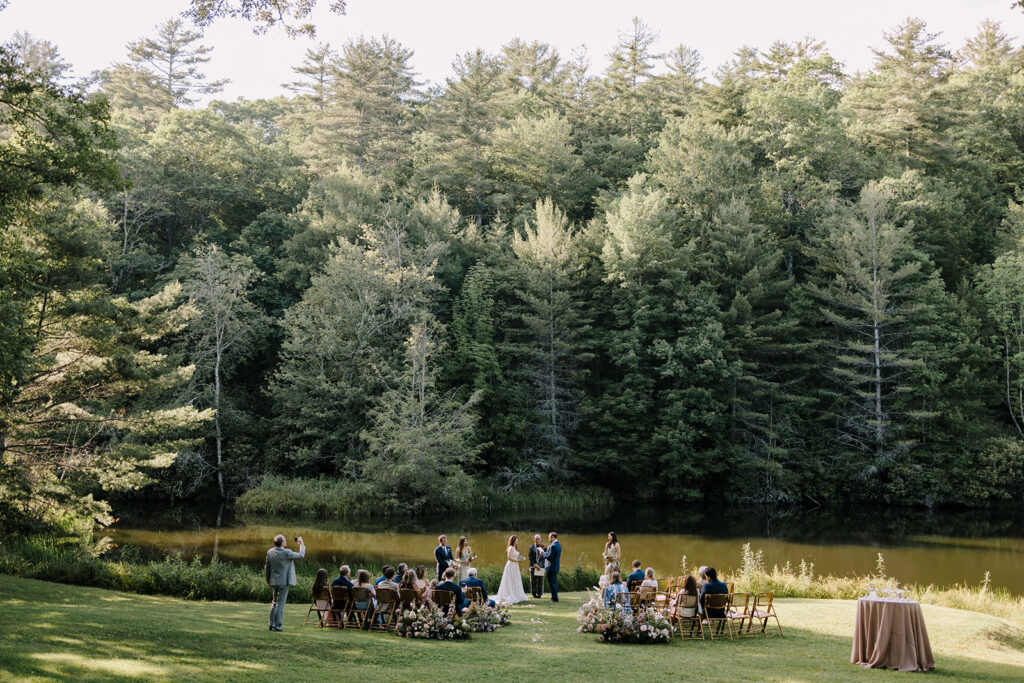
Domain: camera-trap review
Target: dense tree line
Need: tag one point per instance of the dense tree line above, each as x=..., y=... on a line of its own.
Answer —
x=779, y=283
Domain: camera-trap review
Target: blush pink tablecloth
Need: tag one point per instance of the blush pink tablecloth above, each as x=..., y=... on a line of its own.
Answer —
x=891, y=634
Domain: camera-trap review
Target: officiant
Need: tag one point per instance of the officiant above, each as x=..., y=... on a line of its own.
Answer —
x=536, y=567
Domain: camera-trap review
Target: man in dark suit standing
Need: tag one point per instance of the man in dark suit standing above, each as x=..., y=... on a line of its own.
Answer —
x=472, y=581
x=449, y=585
x=552, y=565
x=443, y=555
x=537, y=568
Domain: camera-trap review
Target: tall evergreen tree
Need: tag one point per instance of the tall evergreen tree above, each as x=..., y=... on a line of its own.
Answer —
x=879, y=299
x=173, y=58
x=368, y=118
x=553, y=326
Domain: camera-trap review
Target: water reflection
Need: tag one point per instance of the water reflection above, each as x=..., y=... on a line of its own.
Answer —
x=938, y=547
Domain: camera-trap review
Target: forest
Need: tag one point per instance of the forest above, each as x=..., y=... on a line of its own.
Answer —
x=769, y=281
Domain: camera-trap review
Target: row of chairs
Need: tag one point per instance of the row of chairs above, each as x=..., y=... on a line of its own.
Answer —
x=735, y=607
x=339, y=610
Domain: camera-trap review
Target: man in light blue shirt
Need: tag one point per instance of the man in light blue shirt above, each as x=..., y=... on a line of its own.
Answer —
x=280, y=572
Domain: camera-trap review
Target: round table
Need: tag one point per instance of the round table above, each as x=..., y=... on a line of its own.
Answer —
x=890, y=634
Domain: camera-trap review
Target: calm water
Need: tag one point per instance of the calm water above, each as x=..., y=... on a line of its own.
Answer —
x=939, y=548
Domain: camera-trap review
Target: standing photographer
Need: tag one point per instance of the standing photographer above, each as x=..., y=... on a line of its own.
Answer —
x=280, y=571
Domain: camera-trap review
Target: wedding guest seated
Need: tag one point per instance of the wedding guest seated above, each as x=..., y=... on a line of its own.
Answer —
x=700, y=575
x=712, y=586
x=449, y=585
x=409, y=583
x=343, y=580
x=422, y=585
x=649, y=580
x=614, y=587
x=636, y=575
x=400, y=572
x=689, y=588
x=363, y=581
x=606, y=578
x=321, y=591
x=389, y=579
x=472, y=581
x=383, y=574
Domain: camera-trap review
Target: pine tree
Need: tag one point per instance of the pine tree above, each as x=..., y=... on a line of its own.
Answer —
x=368, y=118
x=419, y=441
x=879, y=300
x=900, y=108
x=553, y=326
x=41, y=56
x=744, y=265
x=317, y=73
x=989, y=47
x=454, y=154
x=173, y=58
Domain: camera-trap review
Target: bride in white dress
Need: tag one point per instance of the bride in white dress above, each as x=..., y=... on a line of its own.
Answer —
x=511, y=589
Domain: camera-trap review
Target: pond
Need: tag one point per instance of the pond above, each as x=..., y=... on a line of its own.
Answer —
x=942, y=548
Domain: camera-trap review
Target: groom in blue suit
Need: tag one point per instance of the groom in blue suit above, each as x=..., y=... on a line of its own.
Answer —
x=551, y=563
x=443, y=555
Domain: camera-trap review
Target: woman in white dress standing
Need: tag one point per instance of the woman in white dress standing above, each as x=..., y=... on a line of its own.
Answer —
x=463, y=558
x=511, y=589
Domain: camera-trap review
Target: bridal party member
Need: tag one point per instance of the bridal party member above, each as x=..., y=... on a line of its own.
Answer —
x=443, y=555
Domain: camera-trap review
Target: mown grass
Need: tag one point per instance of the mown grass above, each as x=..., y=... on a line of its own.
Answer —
x=54, y=631
x=341, y=499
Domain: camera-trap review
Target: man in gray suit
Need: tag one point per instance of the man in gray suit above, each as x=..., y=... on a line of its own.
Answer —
x=280, y=571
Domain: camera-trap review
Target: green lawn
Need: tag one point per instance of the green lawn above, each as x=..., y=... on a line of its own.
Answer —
x=56, y=631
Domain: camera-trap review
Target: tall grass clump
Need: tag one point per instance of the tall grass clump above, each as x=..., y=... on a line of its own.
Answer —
x=343, y=499
x=802, y=582
x=64, y=562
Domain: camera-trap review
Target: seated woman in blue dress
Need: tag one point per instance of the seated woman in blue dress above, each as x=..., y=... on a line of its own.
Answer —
x=613, y=589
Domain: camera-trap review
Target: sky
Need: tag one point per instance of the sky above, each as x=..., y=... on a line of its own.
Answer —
x=92, y=34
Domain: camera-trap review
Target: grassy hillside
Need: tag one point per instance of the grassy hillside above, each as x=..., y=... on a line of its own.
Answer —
x=54, y=630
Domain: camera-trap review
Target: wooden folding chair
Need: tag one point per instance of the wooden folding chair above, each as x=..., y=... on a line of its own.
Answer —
x=387, y=609
x=730, y=585
x=339, y=607
x=684, y=613
x=645, y=597
x=666, y=583
x=408, y=599
x=475, y=595
x=321, y=605
x=633, y=585
x=719, y=603
x=739, y=610
x=445, y=600
x=763, y=610
x=362, y=614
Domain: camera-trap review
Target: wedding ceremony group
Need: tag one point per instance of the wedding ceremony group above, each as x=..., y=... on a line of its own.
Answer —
x=638, y=607
x=402, y=596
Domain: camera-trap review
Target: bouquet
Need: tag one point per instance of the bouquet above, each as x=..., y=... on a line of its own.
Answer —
x=482, y=618
x=429, y=622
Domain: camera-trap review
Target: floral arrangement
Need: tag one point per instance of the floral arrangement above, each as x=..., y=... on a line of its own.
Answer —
x=644, y=626
x=429, y=622
x=482, y=618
